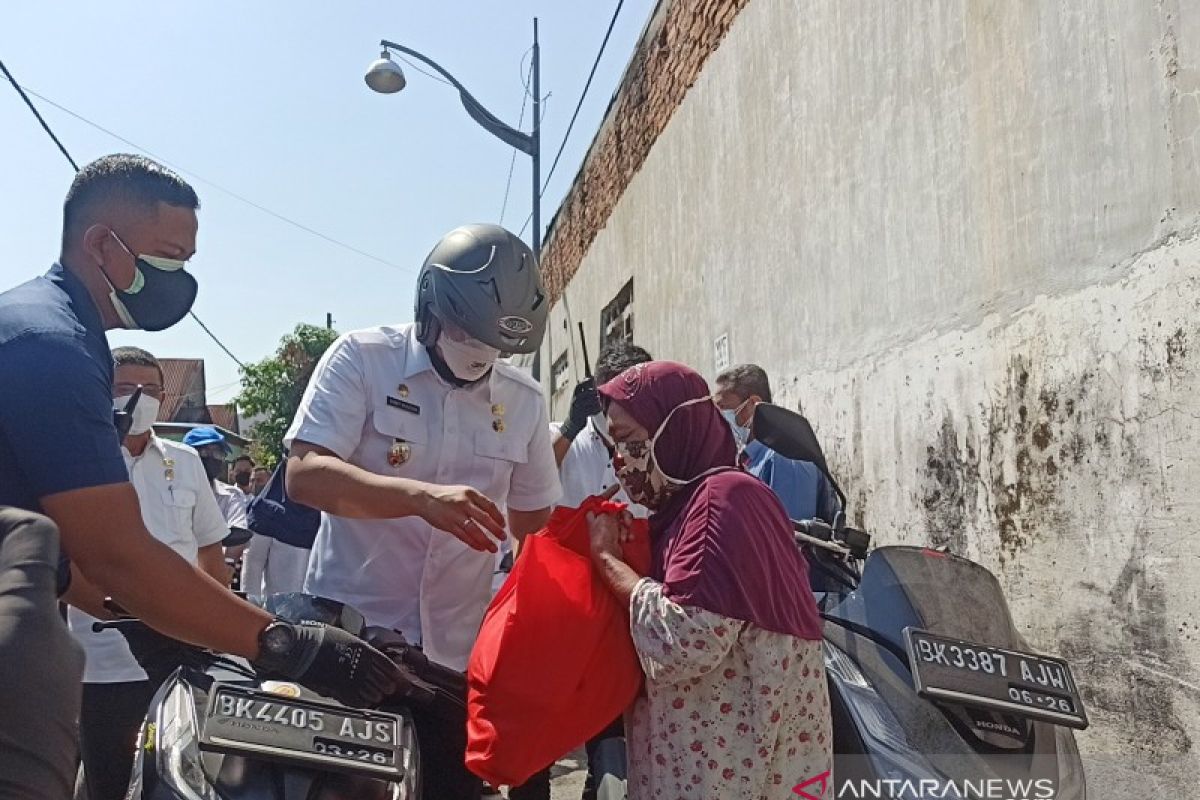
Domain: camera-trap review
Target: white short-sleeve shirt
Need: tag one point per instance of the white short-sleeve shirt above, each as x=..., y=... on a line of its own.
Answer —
x=180, y=511
x=233, y=504
x=376, y=401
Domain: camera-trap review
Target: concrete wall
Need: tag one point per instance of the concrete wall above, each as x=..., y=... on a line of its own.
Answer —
x=965, y=235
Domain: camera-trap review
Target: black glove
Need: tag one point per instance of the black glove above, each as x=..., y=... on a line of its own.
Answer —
x=330, y=661
x=585, y=401
x=158, y=654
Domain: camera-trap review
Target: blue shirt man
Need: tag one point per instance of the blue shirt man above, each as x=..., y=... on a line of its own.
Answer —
x=56, y=412
x=129, y=227
x=805, y=492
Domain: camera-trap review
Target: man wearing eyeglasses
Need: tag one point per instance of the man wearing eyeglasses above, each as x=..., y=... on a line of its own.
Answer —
x=180, y=511
x=129, y=228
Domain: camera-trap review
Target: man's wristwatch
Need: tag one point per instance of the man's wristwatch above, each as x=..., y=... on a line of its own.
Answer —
x=276, y=644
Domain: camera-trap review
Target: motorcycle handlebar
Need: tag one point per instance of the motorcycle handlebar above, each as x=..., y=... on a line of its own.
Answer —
x=425, y=680
x=841, y=540
x=117, y=624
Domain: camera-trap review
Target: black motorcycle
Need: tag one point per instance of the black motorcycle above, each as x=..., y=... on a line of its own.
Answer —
x=215, y=730
x=934, y=693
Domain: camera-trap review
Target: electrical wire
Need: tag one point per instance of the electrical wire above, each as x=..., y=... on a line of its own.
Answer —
x=218, y=187
x=425, y=72
x=513, y=161
x=50, y=133
x=37, y=114
x=213, y=336
x=582, y=96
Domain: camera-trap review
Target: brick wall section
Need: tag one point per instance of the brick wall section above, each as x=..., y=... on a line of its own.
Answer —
x=664, y=66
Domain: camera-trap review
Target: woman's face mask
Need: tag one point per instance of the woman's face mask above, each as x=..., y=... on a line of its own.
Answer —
x=639, y=476
x=638, y=471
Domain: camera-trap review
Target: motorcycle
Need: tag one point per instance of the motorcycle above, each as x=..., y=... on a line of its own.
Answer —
x=215, y=730
x=932, y=688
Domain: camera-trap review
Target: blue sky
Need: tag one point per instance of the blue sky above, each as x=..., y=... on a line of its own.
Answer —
x=267, y=100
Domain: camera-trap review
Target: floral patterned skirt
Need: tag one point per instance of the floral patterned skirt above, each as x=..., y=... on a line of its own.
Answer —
x=730, y=710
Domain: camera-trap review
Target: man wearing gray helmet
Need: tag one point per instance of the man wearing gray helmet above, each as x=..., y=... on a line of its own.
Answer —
x=415, y=440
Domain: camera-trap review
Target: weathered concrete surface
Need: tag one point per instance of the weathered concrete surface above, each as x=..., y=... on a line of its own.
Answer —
x=1056, y=446
x=966, y=235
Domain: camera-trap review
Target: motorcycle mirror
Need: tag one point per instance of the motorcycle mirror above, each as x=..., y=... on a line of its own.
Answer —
x=299, y=607
x=791, y=435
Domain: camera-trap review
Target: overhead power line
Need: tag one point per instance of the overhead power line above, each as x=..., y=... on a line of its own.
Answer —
x=220, y=344
x=37, y=114
x=67, y=155
x=513, y=161
x=611, y=23
x=582, y=96
x=337, y=242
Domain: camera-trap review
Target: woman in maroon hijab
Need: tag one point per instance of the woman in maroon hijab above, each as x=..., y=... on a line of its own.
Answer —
x=725, y=626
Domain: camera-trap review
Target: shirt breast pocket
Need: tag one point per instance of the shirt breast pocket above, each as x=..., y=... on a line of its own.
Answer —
x=498, y=456
x=180, y=504
x=401, y=448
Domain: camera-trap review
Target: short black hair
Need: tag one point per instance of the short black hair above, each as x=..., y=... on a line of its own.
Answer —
x=745, y=380
x=244, y=458
x=616, y=357
x=122, y=178
x=135, y=356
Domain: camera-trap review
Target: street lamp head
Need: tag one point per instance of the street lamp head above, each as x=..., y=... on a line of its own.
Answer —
x=384, y=75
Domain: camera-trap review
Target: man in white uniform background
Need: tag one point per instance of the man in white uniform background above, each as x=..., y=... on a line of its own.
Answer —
x=584, y=463
x=210, y=443
x=270, y=566
x=180, y=511
x=414, y=440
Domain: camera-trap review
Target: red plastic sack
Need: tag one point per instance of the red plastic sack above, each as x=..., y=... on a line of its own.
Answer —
x=554, y=663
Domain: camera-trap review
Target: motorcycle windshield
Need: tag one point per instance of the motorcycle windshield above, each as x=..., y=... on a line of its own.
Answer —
x=940, y=592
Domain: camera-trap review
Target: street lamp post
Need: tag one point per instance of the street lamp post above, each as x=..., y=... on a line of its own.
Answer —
x=386, y=77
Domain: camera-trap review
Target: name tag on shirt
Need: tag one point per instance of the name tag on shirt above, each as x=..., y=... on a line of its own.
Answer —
x=403, y=405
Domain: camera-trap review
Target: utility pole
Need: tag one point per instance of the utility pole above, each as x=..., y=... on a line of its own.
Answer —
x=329, y=320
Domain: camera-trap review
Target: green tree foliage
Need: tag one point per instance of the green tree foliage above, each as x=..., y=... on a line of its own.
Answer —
x=274, y=386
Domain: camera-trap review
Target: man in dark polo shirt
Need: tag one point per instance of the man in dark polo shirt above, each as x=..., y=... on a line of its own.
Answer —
x=129, y=227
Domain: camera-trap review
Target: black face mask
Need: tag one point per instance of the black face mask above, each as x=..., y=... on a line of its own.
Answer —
x=162, y=293
x=214, y=466
x=242, y=479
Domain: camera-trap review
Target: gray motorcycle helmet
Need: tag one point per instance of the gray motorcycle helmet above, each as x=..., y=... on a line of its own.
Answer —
x=486, y=281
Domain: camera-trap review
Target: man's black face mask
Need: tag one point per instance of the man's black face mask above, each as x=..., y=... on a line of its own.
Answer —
x=214, y=466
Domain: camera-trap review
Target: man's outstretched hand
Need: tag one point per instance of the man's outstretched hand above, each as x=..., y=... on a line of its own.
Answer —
x=465, y=513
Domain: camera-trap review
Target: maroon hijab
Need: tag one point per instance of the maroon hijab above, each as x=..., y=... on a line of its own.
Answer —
x=723, y=542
